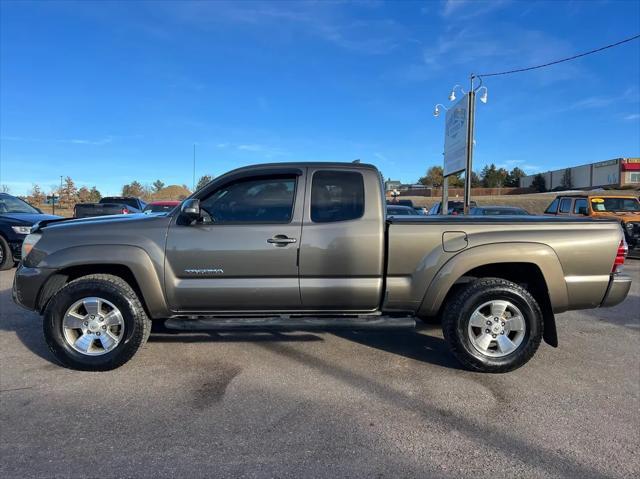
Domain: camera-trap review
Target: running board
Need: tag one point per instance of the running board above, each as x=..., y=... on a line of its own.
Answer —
x=378, y=323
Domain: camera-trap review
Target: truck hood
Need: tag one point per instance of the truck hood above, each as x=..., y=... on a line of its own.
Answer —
x=27, y=218
x=111, y=221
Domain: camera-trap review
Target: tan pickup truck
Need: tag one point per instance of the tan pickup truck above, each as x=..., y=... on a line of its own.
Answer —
x=308, y=246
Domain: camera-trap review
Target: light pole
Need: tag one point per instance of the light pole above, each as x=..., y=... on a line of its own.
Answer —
x=470, y=127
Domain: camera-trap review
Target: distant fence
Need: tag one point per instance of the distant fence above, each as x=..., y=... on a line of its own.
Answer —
x=437, y=192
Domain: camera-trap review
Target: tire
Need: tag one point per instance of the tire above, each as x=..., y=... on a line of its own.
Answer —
x=471, y=306
x=130, y=333
x=6, y=257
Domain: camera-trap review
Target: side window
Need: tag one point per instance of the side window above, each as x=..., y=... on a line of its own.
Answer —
x=580, y=207
x=565, y=205
x=552, y=209
x=258, y=200
x=336, y=196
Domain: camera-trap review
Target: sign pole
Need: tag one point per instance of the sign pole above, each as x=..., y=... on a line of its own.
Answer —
x=445, y=195
x=469, y=161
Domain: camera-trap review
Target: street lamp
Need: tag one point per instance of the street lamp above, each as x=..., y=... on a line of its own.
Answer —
x=438, y=108
x=452, y=95
x=470, y=121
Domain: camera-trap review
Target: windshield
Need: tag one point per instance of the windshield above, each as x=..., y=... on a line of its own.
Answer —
x=11, y=204
x=615, y=204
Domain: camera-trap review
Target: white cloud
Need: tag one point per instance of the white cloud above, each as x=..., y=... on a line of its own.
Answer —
x=633, y=116
x=465, y=9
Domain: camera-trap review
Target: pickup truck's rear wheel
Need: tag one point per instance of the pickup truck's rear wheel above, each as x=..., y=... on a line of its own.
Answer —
x=95, y=323
x=493, y=325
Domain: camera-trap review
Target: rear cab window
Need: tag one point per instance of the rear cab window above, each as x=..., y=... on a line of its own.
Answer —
x=336, y=196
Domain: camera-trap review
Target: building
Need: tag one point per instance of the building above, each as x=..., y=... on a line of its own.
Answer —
x=614, y=173
x=391, y=185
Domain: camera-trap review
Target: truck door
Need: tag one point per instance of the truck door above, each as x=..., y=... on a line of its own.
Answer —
x=242, y=256
x=342, y=248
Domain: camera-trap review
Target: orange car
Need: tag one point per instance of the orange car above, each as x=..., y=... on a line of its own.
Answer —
x=625, y=209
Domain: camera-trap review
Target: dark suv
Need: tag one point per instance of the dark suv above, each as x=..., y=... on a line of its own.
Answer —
x=16, y=219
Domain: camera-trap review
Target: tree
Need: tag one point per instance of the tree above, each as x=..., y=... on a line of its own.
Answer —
x=493, y=177
x=94, y=195
x=566, y=182
x=158, y=185
x=133, y=189
x=476, y=182
x=433, y=178
x=36, y=197
x=203, y=181
x=513, y=178
x=539, y=183
x=84, y=195
x=69, y=193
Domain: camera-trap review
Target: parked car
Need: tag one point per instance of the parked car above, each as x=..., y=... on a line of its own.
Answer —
x=455, y=207
x=16, y=219
x=109, y=205
x=497, y=210
x=399, y=202
x=156, y=207
x=623, y=208
x=254, y=249
x=401, y=211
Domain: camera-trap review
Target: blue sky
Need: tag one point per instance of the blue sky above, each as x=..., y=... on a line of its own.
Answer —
x=108, y=92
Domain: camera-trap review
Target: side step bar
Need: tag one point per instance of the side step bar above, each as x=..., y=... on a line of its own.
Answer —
x=378, y=323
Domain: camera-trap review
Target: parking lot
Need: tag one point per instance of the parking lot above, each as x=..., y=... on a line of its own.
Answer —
x=324, y=405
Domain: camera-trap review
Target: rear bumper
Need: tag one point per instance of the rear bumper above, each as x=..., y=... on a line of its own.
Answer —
x=617, y=291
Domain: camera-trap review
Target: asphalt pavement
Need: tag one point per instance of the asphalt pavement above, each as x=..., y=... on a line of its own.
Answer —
x=370, y=405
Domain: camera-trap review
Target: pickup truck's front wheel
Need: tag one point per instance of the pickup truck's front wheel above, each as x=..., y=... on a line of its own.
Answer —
x=493, y=325
x=95, y=323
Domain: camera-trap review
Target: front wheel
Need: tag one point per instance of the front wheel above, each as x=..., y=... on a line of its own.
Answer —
x=6, y=258
x=95, y=323
x=493, y=325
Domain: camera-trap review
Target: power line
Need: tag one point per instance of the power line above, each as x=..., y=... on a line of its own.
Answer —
x=560, y=61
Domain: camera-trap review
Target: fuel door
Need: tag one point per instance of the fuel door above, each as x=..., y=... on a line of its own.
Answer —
x=453, y=241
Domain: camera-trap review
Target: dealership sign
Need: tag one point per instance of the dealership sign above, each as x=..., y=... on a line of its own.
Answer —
x=456, y=137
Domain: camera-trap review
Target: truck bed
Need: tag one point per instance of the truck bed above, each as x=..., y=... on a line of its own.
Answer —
x=421, y=249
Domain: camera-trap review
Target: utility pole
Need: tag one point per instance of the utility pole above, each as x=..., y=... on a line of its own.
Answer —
x=470, y=132
x=59, y=192
x=193, y=187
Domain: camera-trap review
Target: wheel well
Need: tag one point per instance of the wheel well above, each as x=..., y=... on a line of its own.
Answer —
x=527, y=275
x=58, y=280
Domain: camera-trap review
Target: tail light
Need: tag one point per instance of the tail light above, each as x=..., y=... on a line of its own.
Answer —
x=623, y=249
x=125, y=211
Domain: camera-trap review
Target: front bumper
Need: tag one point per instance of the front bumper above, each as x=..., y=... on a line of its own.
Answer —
x=27, y=284
x=617, y=291
x=16, y=248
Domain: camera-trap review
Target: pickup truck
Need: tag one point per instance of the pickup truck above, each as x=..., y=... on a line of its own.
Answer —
x=109, y=205
x=300, y=246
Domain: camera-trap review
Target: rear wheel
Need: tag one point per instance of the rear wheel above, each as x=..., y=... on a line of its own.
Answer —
x=95, y=323
x=6, y=258
x=493, y=325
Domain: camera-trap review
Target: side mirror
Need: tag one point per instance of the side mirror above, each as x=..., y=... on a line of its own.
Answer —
x=190, y=209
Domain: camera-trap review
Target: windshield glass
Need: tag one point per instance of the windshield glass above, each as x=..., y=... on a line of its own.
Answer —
x=615, y=204
x=11, y=204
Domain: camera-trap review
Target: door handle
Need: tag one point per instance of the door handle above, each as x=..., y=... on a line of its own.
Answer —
x=281, y=240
